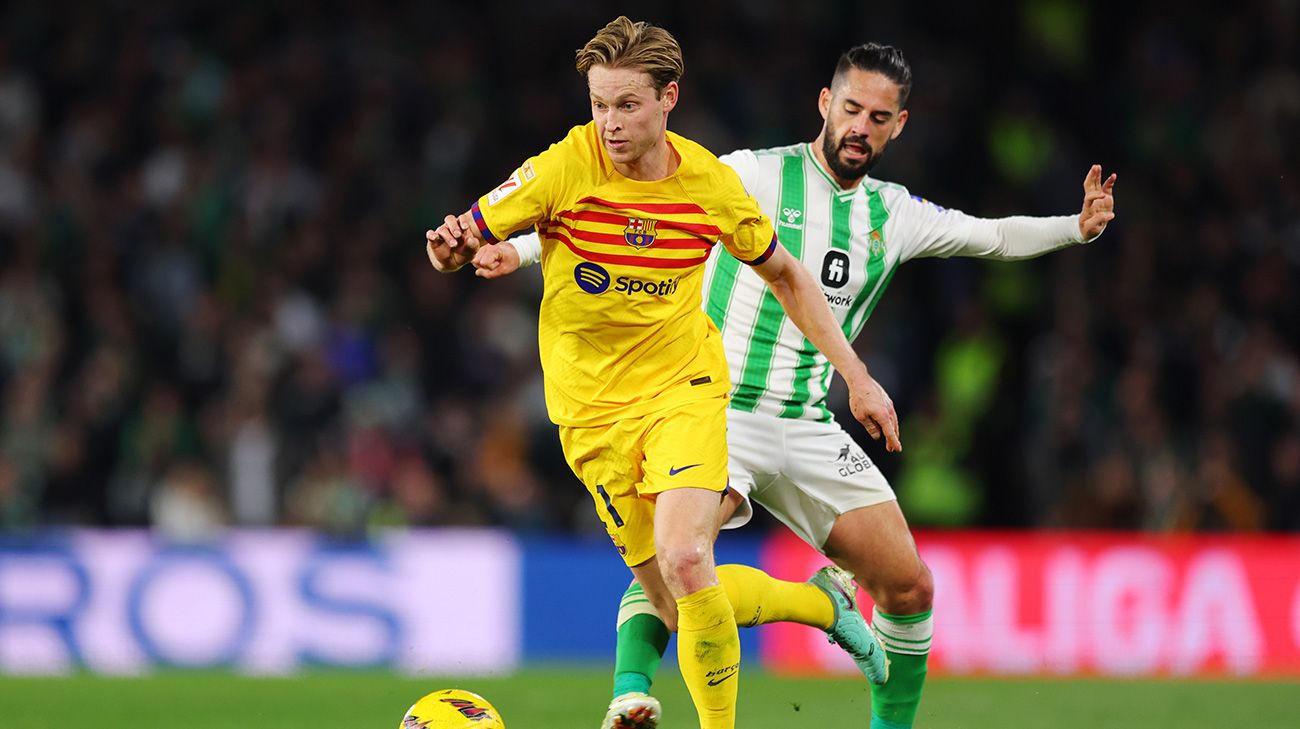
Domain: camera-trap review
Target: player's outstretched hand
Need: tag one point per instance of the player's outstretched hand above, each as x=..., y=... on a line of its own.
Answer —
x=453, y=244
x=873, y=408
x=495, y=261
x=1098, y=203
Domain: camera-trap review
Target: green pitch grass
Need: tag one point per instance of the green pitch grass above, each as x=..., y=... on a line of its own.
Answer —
x=575, y=699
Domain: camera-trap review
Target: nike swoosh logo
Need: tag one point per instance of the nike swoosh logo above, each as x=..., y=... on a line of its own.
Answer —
x=716, y=681
x=675, y=471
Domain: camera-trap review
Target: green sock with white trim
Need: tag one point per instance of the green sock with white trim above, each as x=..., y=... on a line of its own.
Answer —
x=906, y=639
x=642, y=640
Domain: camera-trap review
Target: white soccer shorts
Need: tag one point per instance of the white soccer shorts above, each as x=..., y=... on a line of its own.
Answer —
x=804, y=472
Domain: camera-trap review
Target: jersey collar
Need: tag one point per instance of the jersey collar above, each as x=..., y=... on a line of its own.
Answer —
x=826, y=175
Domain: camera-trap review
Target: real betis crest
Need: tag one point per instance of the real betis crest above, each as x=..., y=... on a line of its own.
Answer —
x=640, y=233
x=877, y=244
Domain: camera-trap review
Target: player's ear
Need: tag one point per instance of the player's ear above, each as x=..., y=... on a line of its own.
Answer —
x=898, y=128
x=669, y=96
x=824, y=103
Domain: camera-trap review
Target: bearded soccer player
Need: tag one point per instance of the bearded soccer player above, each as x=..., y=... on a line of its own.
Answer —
x=786, y=451
x=635, y=374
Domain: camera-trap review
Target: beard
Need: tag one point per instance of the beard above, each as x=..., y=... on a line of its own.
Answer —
x=849, y=170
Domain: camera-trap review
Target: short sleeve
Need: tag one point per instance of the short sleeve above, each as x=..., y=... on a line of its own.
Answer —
x=747, y=233
x=531, y=194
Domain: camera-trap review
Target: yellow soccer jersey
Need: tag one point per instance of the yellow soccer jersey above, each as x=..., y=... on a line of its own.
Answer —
x=621, y=330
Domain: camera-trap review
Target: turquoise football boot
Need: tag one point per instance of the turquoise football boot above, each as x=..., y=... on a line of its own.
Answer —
x=849, y=629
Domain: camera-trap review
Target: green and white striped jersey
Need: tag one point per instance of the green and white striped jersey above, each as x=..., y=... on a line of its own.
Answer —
x=852, y=242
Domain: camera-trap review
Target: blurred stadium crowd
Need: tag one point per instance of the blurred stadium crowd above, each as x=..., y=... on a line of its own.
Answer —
x=215, y=307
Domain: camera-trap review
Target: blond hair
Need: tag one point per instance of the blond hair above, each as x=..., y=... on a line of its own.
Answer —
x=640, y=45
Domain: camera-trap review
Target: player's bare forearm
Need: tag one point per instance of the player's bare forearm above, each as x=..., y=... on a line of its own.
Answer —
x=804, y=303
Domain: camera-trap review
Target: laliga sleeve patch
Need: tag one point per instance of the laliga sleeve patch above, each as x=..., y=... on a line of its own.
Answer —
x=924, y=201
x=511, y=184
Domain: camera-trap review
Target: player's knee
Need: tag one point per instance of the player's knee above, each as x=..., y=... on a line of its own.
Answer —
x=687, y=566
x=909, y=596
x=921, y=592
x=682, y=559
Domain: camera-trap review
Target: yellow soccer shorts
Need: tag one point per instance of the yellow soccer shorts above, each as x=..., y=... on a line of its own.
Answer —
x=625, y=465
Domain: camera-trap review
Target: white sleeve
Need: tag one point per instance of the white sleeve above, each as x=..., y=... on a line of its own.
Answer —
x=745, y=163
x=528, y=245
x=942, y=233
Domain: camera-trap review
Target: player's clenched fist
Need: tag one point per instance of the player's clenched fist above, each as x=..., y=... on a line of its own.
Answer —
x=495, y=261
x=453, y=243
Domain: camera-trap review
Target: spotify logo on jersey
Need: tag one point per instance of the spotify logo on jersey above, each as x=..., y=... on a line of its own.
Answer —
x=591, y=278
x=835, y=269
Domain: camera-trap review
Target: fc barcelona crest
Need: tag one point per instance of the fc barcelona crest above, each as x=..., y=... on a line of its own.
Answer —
x=640, y=233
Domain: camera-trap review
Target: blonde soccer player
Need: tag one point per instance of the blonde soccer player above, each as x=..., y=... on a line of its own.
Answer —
x=627, y=213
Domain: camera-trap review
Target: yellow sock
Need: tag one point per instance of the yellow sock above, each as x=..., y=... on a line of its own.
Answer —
x=708, y=655
x=758, y=599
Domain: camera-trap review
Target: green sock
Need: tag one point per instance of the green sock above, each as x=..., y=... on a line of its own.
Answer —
x=642, y=640
x=906, y=639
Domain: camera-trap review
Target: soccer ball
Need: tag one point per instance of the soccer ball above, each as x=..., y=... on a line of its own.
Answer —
x=452, y=709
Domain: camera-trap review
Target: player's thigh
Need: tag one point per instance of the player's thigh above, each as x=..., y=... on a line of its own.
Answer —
x=686, y=523
x=607, y=460
x=824, y=474
x=875, y=543
x=685, y=471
